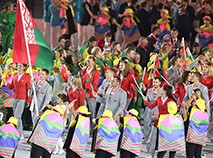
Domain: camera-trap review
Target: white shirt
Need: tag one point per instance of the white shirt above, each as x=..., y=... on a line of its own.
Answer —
x=164, y=99
x=89, y=70
x=19, y=76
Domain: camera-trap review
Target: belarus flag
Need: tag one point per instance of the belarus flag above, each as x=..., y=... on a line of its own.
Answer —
x=40, y=53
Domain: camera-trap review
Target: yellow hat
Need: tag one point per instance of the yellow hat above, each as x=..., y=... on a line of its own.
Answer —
x=58, y=109
x=83, y=110
x=13, y=120
x=1, y=60
x=9, y=61
x=128, y=10
x=107, y=113
x=172, y=107
x=133, y=112
x=165, y=11
x=201, y=104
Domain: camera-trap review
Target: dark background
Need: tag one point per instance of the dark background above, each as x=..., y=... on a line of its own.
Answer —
x=35, y=6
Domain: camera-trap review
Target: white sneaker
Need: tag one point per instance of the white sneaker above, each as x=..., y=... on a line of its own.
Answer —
x=55, y=152
x=61, y=151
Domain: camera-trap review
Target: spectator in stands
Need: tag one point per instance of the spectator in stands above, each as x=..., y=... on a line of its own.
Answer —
x=141, y=49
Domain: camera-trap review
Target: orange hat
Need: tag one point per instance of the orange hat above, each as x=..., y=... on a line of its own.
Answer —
x=207, y=18
x=165, y=11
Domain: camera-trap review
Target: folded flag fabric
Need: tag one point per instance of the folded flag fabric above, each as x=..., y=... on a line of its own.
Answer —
x=198, y=127
x=171, y=133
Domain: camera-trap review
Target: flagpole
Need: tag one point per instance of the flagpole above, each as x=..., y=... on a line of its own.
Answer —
x=184, y=47
x=139, y=90
x=163, y=78
x=28, y=56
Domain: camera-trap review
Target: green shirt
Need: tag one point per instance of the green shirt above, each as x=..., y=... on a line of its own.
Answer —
x=100, y=64
x=7, y=22
x=82, y=49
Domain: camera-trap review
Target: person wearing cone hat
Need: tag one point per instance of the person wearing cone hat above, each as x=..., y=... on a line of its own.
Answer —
x=171, y=131
x=196, y=125
x=7, y=25
x=9, y=138
x=130, y=141
x=105, y=136
x=165, y=23
x=78, y=132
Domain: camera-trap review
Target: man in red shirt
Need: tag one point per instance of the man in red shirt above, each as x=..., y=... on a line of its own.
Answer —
x=20, y=85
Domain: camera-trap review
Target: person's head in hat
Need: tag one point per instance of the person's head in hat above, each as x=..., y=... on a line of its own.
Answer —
x=132, y=113
x=164, y=13
x=83, y=110
x=201, y=104
x=207, y=20
x=9, y=6
x=107, y=114
x=13, y=121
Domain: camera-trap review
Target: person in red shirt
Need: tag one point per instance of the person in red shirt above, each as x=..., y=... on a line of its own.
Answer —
x=76, y=92
x=90, y=75
x=180, y=91
x=162, y=103
x=105, y=44
x=126, y=81
x=20, y=85
x=207, y=77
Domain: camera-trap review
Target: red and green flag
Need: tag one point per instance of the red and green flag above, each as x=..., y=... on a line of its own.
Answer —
x=183, y=47
x=134, y=87
x=106, y=68
x=145, y=77
x=88, y=84
x=28, y=33
x=63, y=77
x=187, y=57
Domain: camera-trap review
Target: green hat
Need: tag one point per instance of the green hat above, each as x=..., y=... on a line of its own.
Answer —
x=8, y=4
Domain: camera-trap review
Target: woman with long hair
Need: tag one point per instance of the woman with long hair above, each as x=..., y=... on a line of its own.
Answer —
x=162, y=102
x=127, y=81
x=207, y=77
x=76, y=91
x=90, y=80
x=181, y=88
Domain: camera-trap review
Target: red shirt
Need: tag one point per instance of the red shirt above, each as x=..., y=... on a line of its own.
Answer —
x=20, y=88
x=94, y=79
x=208, y=82
x=101, y=44
x=126, y=86
x=180, y=93
x=78, y=94
x=162, y=107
